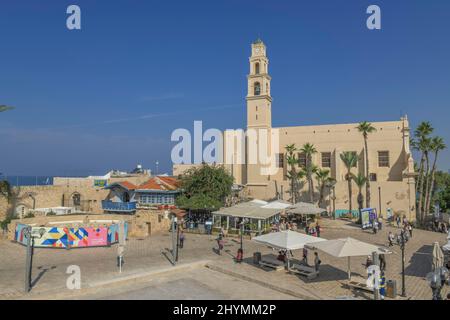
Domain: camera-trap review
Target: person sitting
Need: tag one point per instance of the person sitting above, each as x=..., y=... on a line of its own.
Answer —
x=281, y=255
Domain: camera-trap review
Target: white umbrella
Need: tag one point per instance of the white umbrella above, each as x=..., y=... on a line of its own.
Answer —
x=438, y=256
x=287, y=240
x=347, y=247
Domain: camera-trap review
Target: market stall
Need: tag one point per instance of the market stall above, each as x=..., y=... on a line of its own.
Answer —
x=257, y=217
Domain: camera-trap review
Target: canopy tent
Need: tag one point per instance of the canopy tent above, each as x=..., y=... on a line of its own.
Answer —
x=447, y=246
x=258, y=213
x=347, y=247
x=438, y=256
x=286, y=240
x=304, y=208
x=277, y=204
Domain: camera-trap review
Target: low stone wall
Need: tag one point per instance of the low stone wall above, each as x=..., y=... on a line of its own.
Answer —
x=143, y=224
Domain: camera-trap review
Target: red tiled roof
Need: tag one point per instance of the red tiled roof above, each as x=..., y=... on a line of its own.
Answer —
x=127, y=185
x=160, y=183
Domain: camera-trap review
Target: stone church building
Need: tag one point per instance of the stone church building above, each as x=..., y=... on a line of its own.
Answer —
x=391, y=165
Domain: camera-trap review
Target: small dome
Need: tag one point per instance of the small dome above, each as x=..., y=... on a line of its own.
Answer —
x=258, y=41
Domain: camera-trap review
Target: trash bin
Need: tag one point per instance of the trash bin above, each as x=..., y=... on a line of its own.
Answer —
x=256, y=257
x=391, y=289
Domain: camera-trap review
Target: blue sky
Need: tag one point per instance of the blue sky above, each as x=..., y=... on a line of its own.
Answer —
x=109, y=95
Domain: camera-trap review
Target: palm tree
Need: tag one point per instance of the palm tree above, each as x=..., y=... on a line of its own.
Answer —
x=350, y=160
x=422, y=144
x=360, y=181
x=323, y=179
x=365, y=128
x=437, y=144
x=292, y=174
x=308, y=149
x=5, y=108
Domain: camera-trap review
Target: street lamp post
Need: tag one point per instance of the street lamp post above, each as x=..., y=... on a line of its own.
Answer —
x=27, y=232
x=240, y=253
x=379, y=202
x=402, y=247
x=174, y=241
x=333, y=187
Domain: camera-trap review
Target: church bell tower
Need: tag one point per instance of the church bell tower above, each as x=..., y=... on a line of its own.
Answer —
x=259, y=101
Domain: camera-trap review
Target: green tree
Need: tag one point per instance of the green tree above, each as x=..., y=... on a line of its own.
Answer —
x=292, y=173
x=360, y=181
x=366, y=128
x=5, y=190
x=323, y=180
x=441, y=193
x=350, y=160
x=422, y=144
x=5, y=108
x=308, y=149
x=205, y=187
x=437, y=144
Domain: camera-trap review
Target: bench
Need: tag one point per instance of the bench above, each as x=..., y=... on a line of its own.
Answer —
x=272, y=263
x=359, y=286
x=306, y=271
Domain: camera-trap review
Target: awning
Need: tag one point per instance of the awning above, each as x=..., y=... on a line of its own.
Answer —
x=286, y=240
x=255, y=209
x=304, y=208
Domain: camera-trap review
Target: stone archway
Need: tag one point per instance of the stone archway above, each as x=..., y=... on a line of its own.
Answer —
x=76, y=199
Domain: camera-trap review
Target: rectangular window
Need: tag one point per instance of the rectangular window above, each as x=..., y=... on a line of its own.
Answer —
x=280, y=160
x=302, y=159
x=383, y=158
x=373, y=177
x=326, y=159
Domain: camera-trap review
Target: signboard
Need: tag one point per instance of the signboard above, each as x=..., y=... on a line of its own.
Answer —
x=100, y=183
x=367, y=216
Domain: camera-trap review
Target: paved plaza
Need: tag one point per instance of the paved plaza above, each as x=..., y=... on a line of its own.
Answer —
x=201, y=273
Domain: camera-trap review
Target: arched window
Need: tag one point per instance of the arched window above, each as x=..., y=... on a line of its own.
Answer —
x=257, y=68
x=257, y=88
x=267, y=88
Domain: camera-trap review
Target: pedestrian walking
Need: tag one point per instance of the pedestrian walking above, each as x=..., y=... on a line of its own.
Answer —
x=318, y=229
x=380, y=224
x=181, y=239
x=305, y=256
x=398, y=221
x=410, y=229
x=375, y=227
x=317, y=261
x=220, y=243
x=390, y=239
x=382, y=259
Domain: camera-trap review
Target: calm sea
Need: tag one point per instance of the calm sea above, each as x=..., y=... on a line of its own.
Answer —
x=28, y=180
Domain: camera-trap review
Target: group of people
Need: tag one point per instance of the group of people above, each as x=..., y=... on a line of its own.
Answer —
x=313, y=230
x=284, y=225
x=377, y=224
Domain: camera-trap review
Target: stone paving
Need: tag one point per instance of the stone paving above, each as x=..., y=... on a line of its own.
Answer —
x=99, y=264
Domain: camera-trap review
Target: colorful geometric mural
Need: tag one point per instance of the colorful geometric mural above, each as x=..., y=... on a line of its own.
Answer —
x=63, y=237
